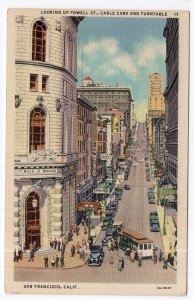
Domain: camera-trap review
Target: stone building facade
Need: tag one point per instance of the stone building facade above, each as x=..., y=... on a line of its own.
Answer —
x=171, y=33
x=156, y=103
x=109, y=97
x=85, y=179
x=45, y=127
x=160, y=140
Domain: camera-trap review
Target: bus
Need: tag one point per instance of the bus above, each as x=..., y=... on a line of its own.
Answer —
x=130, y=239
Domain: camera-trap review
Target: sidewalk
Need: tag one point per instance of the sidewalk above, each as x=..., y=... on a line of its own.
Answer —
x=69, y=262
x=170, y=238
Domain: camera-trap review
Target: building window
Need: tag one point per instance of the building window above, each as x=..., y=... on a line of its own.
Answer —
x=39, y=37
x=33, y=82
x=37, y=129
x=45, y=83
x=64, y=88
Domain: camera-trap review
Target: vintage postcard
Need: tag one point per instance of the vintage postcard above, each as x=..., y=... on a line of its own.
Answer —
x=97, y=152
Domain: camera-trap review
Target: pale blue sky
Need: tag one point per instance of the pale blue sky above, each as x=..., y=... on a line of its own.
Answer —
x=123, y=51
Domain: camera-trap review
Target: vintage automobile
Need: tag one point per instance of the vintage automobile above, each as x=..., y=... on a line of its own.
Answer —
x=153, y=216
x=111, y=233
x=127, y=187
x=155, y=226
x=96, y=256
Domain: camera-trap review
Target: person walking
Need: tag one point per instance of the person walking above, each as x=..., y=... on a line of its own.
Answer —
x=109, y=245
x=85, y=229
x=165, y=266
x=140, y=260
x=52, y=261
x=15, y=255
x=116, y=245
x=77, y=230
x=132, y=256
x=121, y=264
x=72, y=251
x=160, y=255
x=46, y=261
x=59, y=246
x=31, y=255
x=62, y=261
x=56, y=261
x=83, y=222
x=51, y=243
x=78, y=247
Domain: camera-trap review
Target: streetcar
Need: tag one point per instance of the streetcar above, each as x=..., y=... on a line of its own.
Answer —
x=130, y=239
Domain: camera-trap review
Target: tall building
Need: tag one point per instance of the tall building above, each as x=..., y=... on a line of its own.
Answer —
x=156, y=104
x=45, y=127
x=109, y=97
x=171, y=33
x=160, y=141
x=85, y=179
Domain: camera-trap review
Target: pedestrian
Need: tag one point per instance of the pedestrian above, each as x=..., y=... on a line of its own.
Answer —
x=20, y=253
x=62, y=261
x=54, y=243
x=160, y=255
x=85, y=229
x=74, y=227
x=72, y=251
x=81, y=253
x=35, y=246
x=46, y=261
x=15, y=255
x=84, y=253
x=51, y=243
x=52, y=261
x=59, y=246
x=120, y=264
x=56, y=261
x=165, y=266
x=31, y=255
x=175, y=244
x=155, y=258
x=140, y=260
x=78, y=247
x=116, y=245
x=132, y=256
x=109, y=245
x=83, y=222
x=77, y=230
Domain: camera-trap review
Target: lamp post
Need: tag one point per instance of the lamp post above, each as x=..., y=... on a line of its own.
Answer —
x=89, y=210
x=165, y=205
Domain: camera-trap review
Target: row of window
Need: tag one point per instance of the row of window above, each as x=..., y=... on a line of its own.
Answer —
x=68, y=90
x=34, y=83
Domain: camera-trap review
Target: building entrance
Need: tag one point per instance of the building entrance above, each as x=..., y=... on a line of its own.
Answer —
x=32, y=221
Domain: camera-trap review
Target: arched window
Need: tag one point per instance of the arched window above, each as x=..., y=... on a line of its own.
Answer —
x=39, y=36
x=37, y=129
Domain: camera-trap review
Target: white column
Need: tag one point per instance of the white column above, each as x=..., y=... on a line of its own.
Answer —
x=56, y=211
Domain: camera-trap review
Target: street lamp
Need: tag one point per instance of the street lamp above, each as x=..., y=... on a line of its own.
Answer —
x=89, y=210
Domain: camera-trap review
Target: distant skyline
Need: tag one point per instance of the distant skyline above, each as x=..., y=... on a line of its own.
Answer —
x=122, y=51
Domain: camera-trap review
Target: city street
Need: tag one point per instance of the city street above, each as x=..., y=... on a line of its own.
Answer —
x=134, y=212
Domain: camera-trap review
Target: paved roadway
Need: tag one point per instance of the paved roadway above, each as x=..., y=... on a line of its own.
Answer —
x=134, y=212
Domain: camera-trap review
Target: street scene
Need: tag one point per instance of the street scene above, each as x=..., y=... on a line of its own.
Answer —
x=96, y=149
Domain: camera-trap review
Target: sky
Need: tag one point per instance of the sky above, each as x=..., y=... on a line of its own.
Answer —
x=124, y=51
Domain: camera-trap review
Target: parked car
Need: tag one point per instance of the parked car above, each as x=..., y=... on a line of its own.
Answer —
x=150, y=190
x=127, y=187
x=153, y=216
x=111, y=233
x=155, y=226
x=151, y=200
x=96, y=256
x=110, y=214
